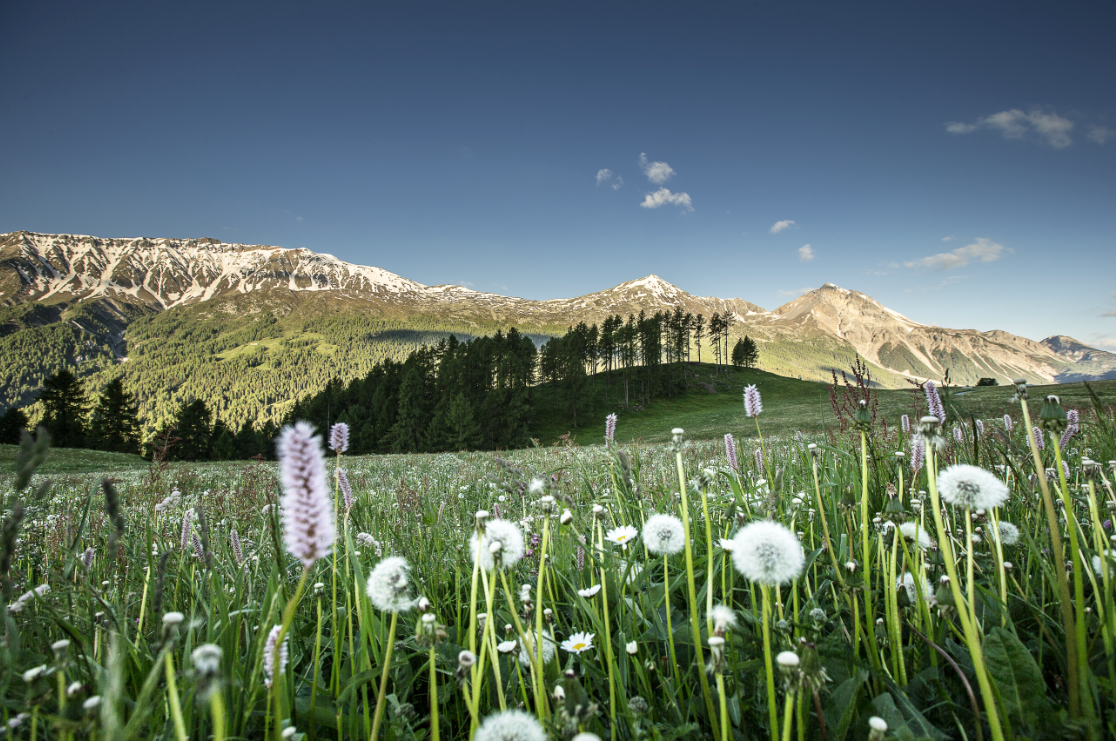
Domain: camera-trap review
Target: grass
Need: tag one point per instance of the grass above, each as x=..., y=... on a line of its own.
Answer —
x=867, y=647
x=76, y=461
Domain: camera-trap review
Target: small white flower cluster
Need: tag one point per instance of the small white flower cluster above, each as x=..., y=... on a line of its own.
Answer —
x=39, y=591
x=368, y=541
x=169, y=501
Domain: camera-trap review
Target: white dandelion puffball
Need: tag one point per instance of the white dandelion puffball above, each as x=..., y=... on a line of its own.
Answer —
x=1009, y=533
x=510, y=725
x=915, y=533
x=578, y=642
x=768, y=553
x=307, y=506
x=389, y=585
x=591, y=591
x=548, y=646
x=509, y=540
x=963, y=485
x=907, y=582
x=622, y=535
x=723, y=617
x=663, y=535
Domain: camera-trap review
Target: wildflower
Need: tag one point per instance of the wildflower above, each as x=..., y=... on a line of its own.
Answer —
x=270, y=657
x=510, y=725
x=578, y=642
x=507, y=539
x=466, y=659
x=980, y=427
x=31, y=675
x=536, y=486
x=1071, y=428
x=506, y=647
x=758, y=455
x=787, y=660
x=877, y=728
x=590, y=592
x=1009, y=533
x=663, y=535
x=726, y=544
x=730, y=452
x=59, y=648
x=1039, y=442
x=339, y=437
x=963, y=485
x=934, y=402
x=610, y=429
x=173, y=618
x=368, y=541
x=528, y=650
x=1007, y=422
x=958, y=435
x=308, y=522
x=753, y=405
x=915, y=533
x=389, y=585
x=187, y=524
x=346, y=488
x=87, y=558
x=92, y=703
x=768, y=553
x=723, y=618
x=918, y=454
x=621, y=535
x=907, y=582
x=905, y=423
x=238, y=554
x=207, y=659
x=566, y=517
x=632, y=648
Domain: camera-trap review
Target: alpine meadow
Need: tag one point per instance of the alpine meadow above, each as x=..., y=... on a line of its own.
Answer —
x=582, y=371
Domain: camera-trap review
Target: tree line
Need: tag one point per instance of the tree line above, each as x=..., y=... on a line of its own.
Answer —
x=481, y=393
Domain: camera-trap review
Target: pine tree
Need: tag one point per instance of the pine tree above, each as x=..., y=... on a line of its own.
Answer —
x=12, y=423
x=192, y=425
x=750, y=352
x=738, y=354
x=114, y=424
x=462, y=430
x=64, y=409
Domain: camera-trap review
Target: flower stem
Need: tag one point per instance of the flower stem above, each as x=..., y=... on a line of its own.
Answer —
x=379, y=716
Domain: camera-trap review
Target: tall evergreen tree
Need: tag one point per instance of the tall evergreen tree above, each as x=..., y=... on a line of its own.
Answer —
x=12, y=423
x=114, y=424
x=192, y=425
x=64, y=409
x=750, y=353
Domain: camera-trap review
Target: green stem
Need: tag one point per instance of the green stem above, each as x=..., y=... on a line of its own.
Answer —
x=434, y=734
x=772, y=707
x=172, y=699
x=382, y=696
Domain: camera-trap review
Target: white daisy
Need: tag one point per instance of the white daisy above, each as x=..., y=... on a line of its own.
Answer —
x=622, y=535
x=578, y=642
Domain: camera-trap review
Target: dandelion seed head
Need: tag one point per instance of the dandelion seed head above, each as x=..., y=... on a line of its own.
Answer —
x=663, y=535
x=723, y=617
x=963, y=485
x=507, y=538
x=510, y=725
x=915, y=533
x=389, y=585
x=1009, y=533
x=529, y=650
x=768, y=553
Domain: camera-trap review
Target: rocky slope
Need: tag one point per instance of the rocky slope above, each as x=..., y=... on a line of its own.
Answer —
x=118, y=279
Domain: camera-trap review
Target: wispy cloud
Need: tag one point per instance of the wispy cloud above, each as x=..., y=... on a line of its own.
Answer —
x=805, y=253
x=982, y=250
x=604, y=175
x=1105, y=344
x=657, y=172
x=1100, y=134
x=662, y=196
x=793, y=293
x=1015, y=124
x=779, y=226
x=1109, y=313
x=948, y=239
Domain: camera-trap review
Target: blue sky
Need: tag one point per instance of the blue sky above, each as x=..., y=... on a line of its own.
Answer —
x=955, y=161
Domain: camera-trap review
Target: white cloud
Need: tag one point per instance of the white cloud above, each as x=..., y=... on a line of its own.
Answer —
x=948, y=239
x=779, y=226
x=657, y=172
x=1100, y=134
x=982, y=250
x=662, y=196
x=619, y=182
x=805, y=253
x=1015, y=124
x=1109, y=313
x=604, y=175
x=1109, y=344
x=793, y=293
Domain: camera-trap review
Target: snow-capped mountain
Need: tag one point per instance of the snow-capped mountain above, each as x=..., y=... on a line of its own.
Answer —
x=125, y=276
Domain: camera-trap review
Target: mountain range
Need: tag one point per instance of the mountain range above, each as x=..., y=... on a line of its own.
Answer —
x=102, y=303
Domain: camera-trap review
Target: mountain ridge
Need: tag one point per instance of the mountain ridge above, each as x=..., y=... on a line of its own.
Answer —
x=99, y=287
